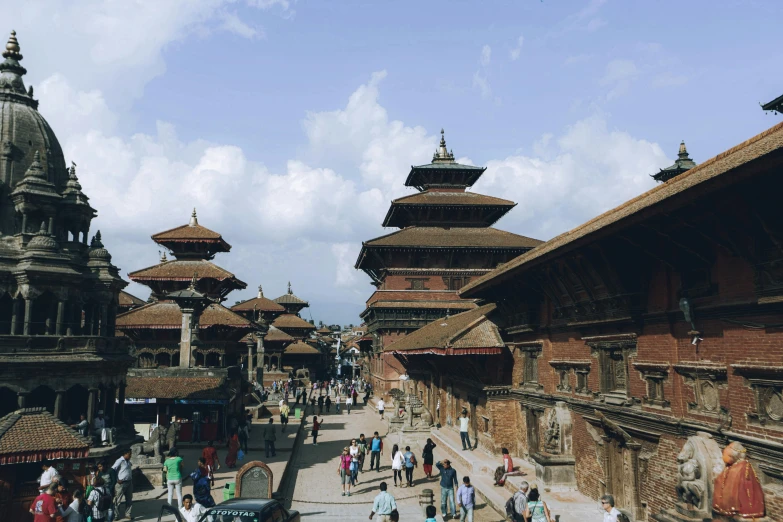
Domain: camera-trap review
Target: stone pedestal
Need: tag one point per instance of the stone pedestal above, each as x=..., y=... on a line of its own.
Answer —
x=148, y=476
x=555, y=470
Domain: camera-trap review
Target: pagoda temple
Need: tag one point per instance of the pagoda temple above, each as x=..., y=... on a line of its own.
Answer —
x=59, y=358
x=445, y=240
x=175, y=376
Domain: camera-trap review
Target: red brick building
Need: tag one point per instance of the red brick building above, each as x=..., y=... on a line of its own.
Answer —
x=445, y=240
x=651, y=330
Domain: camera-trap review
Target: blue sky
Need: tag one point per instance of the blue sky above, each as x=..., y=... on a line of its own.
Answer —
x=291, y=125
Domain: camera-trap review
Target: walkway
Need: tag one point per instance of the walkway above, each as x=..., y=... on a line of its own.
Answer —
x=317, y=487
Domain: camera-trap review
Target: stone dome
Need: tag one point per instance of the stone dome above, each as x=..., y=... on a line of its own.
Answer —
x=23, y=131
x=97, y=250
x=42, y=241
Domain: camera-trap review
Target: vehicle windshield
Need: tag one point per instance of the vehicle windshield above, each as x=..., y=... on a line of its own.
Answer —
x=219, y=514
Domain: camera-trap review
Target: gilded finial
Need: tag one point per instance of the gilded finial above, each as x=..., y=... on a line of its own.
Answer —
x=12, y=47
x=442, y=154
x=193, y=281
x=683, y=150
x=289, y=288
x=442, y=138
x=72, y=171
x=260, y=291
x=163, y=258
x=193, y=218
x=43, y=230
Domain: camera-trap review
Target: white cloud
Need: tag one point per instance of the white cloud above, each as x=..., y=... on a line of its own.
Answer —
x=618, y=76
x=486, y=55
x=232, y=23
x=587, y=170
x=516, y=51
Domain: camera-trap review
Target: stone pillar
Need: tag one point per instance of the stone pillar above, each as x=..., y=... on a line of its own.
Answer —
x=16, y=317
x=260, y=354
x=59, y=404
x=60, y=317
x=185, y=348
x=249, y=362
x=24, y=222
x=92, y=400
x=87, y=330
x=21, y=399
x=51, y=225
x=110, y=406
x=104, y=327
x=28, y=315
x=119, y=412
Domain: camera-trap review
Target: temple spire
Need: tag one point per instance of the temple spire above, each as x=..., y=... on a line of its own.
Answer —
x=12, y=48
x=289, y=288
x=11, y=71
x=682, y=164
x=193, y=218
x=260, y=292
x=442, y=154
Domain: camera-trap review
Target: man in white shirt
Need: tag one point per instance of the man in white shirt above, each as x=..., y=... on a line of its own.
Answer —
x=191, y=511
x=48, y=476
x=381, y=406
x=464, y=422
x=123, y=490
x=607, y=502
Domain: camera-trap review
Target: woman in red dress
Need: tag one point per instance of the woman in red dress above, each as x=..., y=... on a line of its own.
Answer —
x=210, y=456
x=233, y=450
x=737, y=489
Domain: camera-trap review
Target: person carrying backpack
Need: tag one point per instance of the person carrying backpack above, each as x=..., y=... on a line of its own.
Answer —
x=100, y=500
x=536, y=509
x=515, y=506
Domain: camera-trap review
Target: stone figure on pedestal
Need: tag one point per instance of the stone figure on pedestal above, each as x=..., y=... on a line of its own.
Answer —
x=738, y=491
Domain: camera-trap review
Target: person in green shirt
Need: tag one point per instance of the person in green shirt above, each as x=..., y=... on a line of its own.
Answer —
x=172, y=466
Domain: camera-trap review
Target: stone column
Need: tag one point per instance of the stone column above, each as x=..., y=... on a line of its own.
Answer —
x=104, y=327
x=260, y=354
x=51, y=225
x=87, y=330
x=185, y=348
x=110, y=407
x=16, y=317
x=24, y=222
x=119, y=412
x=28, y=315
x=59, y=404
x=21, y=399
x=60, y=317
x=249, y=362
x=92, y=400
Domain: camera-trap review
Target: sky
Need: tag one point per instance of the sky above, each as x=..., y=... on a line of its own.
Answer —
x=291, y=125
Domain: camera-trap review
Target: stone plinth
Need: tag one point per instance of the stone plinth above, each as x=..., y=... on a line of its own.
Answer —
x=555, y=470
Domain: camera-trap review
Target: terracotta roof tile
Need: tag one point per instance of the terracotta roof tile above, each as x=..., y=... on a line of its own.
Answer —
x=292, y=321
x=127, y=300
x=756, y=147
x=468, y=332
x=301, y=348
x=262, y=304
x=183, y=270
x=438, y=198
x=34, y=434
x=167, y=315
x=290, y=299
x=461, y=304
x=277, y=335
x=413, y=295
x=187, y=232
x=176, y=388
x=453, y=237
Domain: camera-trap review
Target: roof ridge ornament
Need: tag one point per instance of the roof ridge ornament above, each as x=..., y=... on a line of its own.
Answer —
x=194, y=280
x=193, y=218
x=442, y=155
x=12, y=48
x=260, y=292
x=13, y=80
x=36, y=169
x=682, y=164
x=290, y=292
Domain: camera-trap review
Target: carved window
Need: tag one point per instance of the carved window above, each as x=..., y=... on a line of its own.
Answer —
x=485, y=424
x=418, y=283
x=613, y=358
x=655, y=374
x=563, y=384
x=706, y=379
x=581, y=381
x=455, y=283
x=767, y=385
x=529, y=354
x=563, y=373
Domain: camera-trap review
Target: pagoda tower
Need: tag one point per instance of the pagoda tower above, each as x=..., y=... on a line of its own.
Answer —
x=445, y=239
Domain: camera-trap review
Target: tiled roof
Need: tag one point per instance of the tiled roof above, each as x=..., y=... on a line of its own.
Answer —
x=290, y=299
x=126, y=300
x=453, y=237
x=436, y=197
x=187, y=232
x=183, y=270
x=176, y=388
x=277, y=335
x=34, y=434
x=413, y=295
x=461, y=304
x=301, y=348
x=167, y=315
x=292, y=321
x=470, y=332
x=324, y=330
x=262, y=304
x=649, y=203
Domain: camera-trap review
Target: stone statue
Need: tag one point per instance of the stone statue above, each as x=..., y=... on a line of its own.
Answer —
x=738, y=491
x=690, y=485
x=552, y=434
x=162, y=438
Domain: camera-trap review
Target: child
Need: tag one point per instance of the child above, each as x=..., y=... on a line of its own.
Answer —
x=430, y=512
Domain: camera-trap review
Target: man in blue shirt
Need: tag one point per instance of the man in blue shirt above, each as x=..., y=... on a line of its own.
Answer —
x=466, y=499
x=376, y=450
x=383, y=505
x=448, y=481
x=410, y=463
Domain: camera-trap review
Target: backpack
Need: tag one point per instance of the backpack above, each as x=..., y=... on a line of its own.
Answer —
x=622, y=517
x=413, y=460
x=511, y=509
x=104, y=499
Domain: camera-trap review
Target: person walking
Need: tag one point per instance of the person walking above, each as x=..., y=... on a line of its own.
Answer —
x=348, y=404
x=99, y=500
x=44, y=506
x=337, y=404
x=611, y=513
x=464, y=422
x=536, y=509
x=328, y=403
x=172, y=466
x=362, y=443
x=210, y=456
x=316, y=427
x=448, y=481
x=202, y=489
x=520, y=501
x=285, y=410
x=383, y=505
x=123, y=487
x=320, y=405
x=376, y=450
x=381, y=406
x=430, y=512
x=466, y=499
x=344, y=471
x=427, y=456
x=191, y=511
x=233, y=451
x=354, y=451
x=410, y=463
x=270, y=436
x=398, y=462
